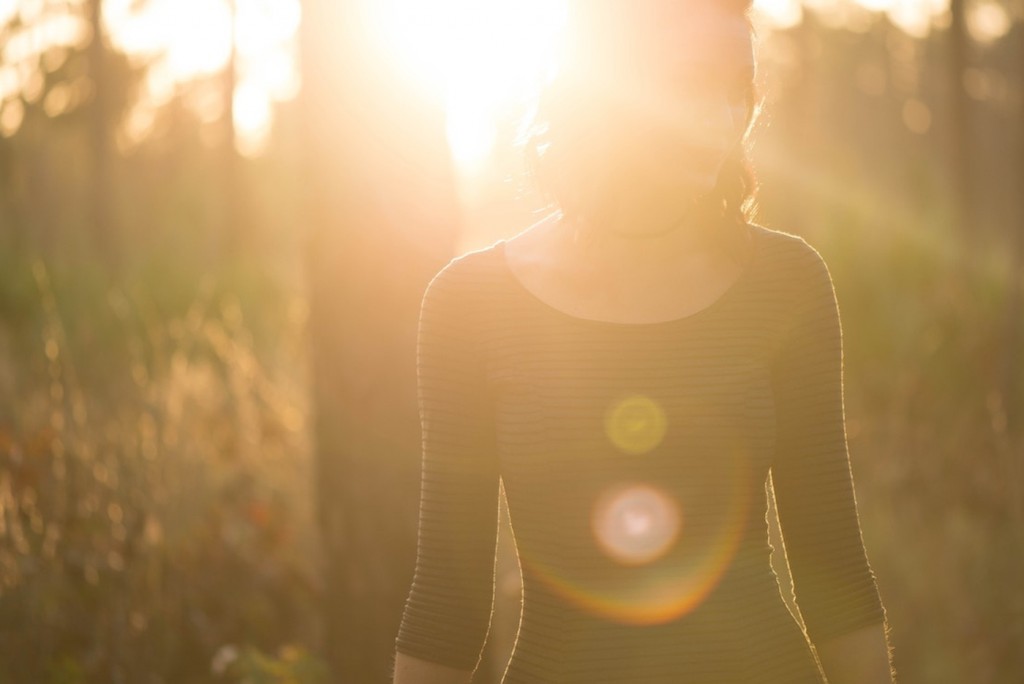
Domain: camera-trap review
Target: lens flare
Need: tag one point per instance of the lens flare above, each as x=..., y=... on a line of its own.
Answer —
x=635, y=424
x=635, y=524
x=649, y=552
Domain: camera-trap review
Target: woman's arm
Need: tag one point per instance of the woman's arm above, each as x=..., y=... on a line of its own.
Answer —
x=833, y=583
x=860, y=657
x=448, y=609
x=411, y=670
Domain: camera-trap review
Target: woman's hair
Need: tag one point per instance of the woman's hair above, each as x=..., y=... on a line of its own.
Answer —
x=571, y=144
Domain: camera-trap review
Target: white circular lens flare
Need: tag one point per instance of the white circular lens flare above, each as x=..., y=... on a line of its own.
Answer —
x=636, y=524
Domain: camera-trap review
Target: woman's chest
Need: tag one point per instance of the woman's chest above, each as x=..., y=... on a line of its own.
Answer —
x=568, y=394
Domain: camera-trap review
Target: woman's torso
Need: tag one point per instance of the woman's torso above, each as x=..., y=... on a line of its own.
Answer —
x=634, y=459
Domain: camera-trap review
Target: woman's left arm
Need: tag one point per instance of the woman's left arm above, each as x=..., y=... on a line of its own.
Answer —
x=833, y=583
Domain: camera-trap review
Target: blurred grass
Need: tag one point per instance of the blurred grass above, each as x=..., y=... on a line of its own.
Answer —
x=154, y=474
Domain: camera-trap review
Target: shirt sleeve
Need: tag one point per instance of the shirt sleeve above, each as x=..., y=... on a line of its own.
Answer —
x=448, y=609
x=833, y=583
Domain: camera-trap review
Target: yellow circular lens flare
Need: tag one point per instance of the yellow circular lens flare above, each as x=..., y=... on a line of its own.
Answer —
x=635, y=424
x=635, y=524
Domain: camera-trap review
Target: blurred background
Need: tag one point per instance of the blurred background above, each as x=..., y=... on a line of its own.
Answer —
x=217, y=218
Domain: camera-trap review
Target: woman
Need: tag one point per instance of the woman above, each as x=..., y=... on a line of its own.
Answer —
x=633, y=369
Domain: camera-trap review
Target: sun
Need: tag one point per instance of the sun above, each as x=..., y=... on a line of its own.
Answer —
x=479, y=56
x=482, y=57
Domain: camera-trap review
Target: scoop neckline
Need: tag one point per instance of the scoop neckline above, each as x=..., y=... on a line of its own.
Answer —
x=716, y=304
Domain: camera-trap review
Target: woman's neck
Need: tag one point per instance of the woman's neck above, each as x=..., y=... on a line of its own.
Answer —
x=637, y=241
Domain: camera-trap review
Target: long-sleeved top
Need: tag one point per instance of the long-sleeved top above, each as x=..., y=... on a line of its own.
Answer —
x=634, y=458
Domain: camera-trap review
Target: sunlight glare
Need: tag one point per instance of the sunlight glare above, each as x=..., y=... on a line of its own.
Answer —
x=191, y=39
x=470, y=130
x=193, y=36
x=781, y=14
x=8, y=8
x=32, y=40
x=498, y=45
x=916, y=17
x=252, y=117
x=265, y=24
x=475, y=55
x=30, y=10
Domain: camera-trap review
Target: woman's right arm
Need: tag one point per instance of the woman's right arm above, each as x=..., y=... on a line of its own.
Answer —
x=412, y=670
x=448, y=609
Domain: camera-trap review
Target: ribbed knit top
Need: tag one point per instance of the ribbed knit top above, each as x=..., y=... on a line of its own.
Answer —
x=634, y=459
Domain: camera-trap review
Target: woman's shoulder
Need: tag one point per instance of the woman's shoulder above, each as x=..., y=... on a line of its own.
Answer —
x=481, y=267
x=790, y=256
x=786, y=244
x=465, y=276
x=465, y=265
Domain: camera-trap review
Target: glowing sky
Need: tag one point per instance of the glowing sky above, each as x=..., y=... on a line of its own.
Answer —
x=512, y=42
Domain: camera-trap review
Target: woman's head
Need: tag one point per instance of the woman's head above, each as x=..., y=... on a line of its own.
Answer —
x=650, y=106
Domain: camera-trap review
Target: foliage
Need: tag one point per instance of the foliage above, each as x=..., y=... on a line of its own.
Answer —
x=152, y=500
x=292, y=665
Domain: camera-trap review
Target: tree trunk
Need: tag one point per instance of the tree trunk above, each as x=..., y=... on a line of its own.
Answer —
x=105, y=232
x=233, y=217
x=960, y=122
x=382, y=219
x=1014, y=325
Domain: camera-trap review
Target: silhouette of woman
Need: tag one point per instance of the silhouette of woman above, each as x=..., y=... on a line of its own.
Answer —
x=633, y=369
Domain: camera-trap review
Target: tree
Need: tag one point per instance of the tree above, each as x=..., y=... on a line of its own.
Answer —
x=76, y=92
x=103, y=218
x=381, y=215
x=959, y=113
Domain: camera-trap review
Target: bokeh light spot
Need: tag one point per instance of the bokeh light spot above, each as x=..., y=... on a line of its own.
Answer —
x=917, y=116
x=636, y=524
x=636, y=424
x=988, y=21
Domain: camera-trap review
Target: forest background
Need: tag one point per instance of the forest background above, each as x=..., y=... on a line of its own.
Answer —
x=215, y=229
